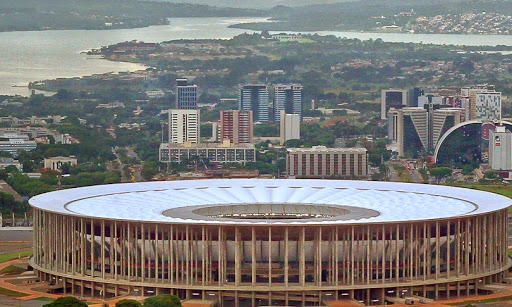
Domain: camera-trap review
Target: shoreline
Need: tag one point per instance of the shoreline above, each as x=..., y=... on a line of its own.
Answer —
x=257, y=28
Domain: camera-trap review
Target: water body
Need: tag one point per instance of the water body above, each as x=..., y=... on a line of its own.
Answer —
x=37, y=55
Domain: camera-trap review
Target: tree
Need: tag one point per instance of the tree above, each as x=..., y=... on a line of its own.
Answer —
x=440, y=172
x=149, y=170
x=66, y=301
x=128, y=303
x=467, y=170
x=5, y=154
x=491, y=175
x=294, y=143
x=164, y=300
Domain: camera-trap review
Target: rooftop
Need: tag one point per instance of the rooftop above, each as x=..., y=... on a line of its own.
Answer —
x=328, y=149
x=207, y=145
x=270, y=201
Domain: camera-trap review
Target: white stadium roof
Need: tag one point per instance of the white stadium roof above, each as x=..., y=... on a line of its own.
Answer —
x=250, y=202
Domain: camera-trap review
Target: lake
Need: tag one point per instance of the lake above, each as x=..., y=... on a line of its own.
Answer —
x=37, y=55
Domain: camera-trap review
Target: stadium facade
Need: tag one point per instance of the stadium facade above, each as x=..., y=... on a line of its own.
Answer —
x=265, y=242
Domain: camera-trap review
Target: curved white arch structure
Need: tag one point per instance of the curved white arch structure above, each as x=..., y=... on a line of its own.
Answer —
x=452, y=129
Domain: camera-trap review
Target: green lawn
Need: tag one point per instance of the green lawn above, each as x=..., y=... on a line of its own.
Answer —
x=12, y=270
x=14, y=255
x=44, y=299
x=8, y=292
x=484, y=301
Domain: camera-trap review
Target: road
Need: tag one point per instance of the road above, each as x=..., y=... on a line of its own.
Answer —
x=135, y=169
x=416, y=176
x=393, y=176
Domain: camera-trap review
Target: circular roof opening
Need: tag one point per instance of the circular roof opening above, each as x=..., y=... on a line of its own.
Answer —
x=271, y=211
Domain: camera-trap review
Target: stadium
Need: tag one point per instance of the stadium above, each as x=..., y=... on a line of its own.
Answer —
x=271, y=242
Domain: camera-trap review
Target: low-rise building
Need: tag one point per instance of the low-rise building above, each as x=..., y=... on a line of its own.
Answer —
x=55, y=163
x=13, y=146
x=224, y=152
x=500, y=149
x=5, y=162
x=321, y=161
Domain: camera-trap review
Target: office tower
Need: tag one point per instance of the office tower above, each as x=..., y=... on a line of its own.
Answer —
x=487, y=106
x=471, y=94
x=433, y=99
x=184, y=126
x=236, y=126
x=186, y=95
x=500, y=149
x=413, y=95
x=287, y=98
x=289, y=126
x=409, y=128
x=392, y=99
x=321, y=161
x=441, y=120
x=254, y=98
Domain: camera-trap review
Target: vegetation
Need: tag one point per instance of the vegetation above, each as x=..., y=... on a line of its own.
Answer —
x=11, y=270
x=23, y=15
x=66, y=301
x=164, y=300
x=483, y=301
x=467, y=169
x=12, y=293
x=368, y=15
x=440, y=172
x=8, y=205
x=128, y=303
x=14, y=255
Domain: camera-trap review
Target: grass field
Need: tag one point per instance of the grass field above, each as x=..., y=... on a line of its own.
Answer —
x=44, y=299
x=498, y=189
x=12, y=270
x=484, y=301
x=8, y=292
x=14, y=255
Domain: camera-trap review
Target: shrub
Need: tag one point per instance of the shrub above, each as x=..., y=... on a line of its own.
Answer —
x=164, y=300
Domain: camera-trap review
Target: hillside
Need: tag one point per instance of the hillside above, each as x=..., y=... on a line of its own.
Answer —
x=23, y=15
x=372, y=15
x=262, y=4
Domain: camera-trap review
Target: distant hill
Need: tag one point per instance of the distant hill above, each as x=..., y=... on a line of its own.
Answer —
x=368, y=15
x=23, y=15
x=261, y=4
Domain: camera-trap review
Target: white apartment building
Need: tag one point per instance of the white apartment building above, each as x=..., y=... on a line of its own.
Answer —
x=289, y=127
x=184, y=126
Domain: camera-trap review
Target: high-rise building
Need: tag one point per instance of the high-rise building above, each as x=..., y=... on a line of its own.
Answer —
x=500, y=149
x=287, y=98
x=236, y=126
x=487, y=106
x=392, y=98
x=184, y=126
x=433, y=99
x=321, y=161
x=254, y=98
x=471, y=93
x=289, y=127
x=409, y=128
x=441, y=120
x=413, y=96
x=186, y=95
